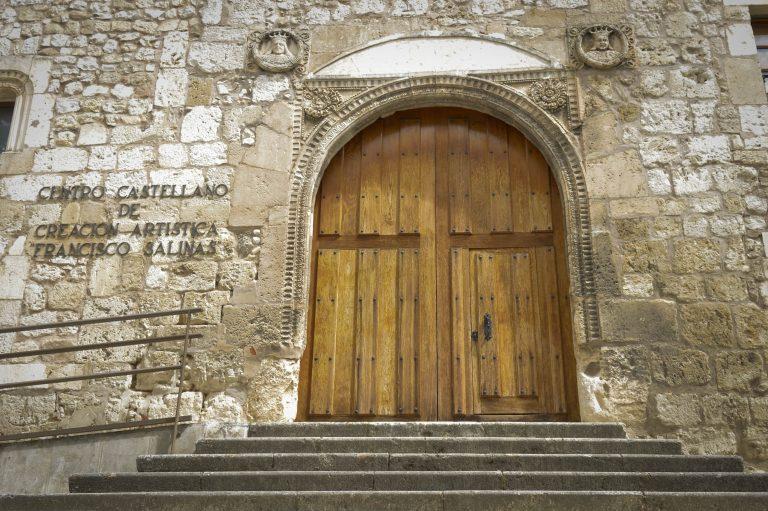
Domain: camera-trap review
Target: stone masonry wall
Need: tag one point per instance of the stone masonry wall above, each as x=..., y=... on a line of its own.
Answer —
x=155, y=92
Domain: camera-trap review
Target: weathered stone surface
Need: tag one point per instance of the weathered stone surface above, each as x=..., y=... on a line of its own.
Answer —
x=744, y=81
x=678, y=409
x=739, y=370
x=617, y=175
x=675, y=366
x=696, y=255
x=66, y=296
x=752, y=326
x=707, y=324
x=639, y=320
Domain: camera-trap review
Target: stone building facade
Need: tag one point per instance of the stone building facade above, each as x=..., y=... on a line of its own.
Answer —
x=120, y=104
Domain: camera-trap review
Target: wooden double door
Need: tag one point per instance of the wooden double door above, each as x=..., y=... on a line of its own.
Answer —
x=439, y=286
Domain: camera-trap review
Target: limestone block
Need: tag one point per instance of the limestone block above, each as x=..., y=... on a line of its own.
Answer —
x=151, y=301
x=224, y=408
x=22, y=372
x=673, y=367
x=270, y=87
x=672, y=116
x=756, y=443
x=208, y=154
x=105, y=277
x=201, y=124
x=741, y=39
x=92, y=134
x=39, y=126
x=655, y=52
x=211, y=302
x=659, y=150
x=678, y=409
x=644, y=256
x=659, y=182
x=600, y=134
x=690, y=180
x=707, y=324
x=633, y=208
x=34, y=299
x=236, y=273
x=725, y=409
x=751, y=325
x=693, y=82
x=270, y=187
x=199, y=92
x=639, y=320
x=709, y=149
x=653, y=83
x=171, y=87
x=247, y=12
x=103, y=158
x=192, y=276
x=707, y=440
x=26, y=410
x=60, y=159
x=696, y=255
x=272, y=151
x=172, y=155
x=738, y=370
x=148, y=381
x=730, y=288
x=745, y=82
x=66, y=296
x=279, y=117
x=13, y=273
x=617, y=175
x=638, y=285
x=135, y=158
x=174, y=49
x=759, y=409
x=272, y=385
x=216, y=57
x=727, y=225
x=734, y=178
x=252, y=325
x=704, y=116
x=133, y=270
x=26, y=187
x=625, y=371
x=754, y=119
x=216, y=370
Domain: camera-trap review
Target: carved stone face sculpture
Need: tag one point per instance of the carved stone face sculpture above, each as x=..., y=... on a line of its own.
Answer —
x=602, y=42
x=277, y=51
x=597, y=46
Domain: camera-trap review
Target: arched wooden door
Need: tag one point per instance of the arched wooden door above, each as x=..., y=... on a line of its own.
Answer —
x=439, y=287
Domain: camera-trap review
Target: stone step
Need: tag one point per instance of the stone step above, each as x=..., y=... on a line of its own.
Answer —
x=389, y=501
x=418, y=481
x=437, y=429
x=477, y=445
x=434, y=462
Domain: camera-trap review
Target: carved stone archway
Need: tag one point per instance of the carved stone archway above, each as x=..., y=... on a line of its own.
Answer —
x=505, y=103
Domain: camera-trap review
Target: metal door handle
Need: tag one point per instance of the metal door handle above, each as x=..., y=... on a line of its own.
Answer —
x=487, y=327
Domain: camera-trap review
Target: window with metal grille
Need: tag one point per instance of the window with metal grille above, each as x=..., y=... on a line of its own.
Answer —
x=760, y=29
x=6, y=120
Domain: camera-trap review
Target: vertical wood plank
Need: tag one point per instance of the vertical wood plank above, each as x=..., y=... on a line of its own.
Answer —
x=390, y=164
x=458, y=172
x=325, y=333
x=525, y=335
x=461, y=332
x=501, y=200
x=370, y=179
x=550, y=338
x=386, y=332
x=489, y=378
x=410, y=175
x=519, y=181
x=503, y=320
x=350, y=197
x=344, y=356
x=366, y=332
x=541, y=216
x=408, y=331
x=480, y=178
x=330, y=196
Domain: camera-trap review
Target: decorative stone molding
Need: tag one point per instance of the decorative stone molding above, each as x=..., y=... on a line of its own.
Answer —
x=17, y=87
x=280, y=51
x=320, y=102
x=602, y=46
x=506, y=103
x=550, y=94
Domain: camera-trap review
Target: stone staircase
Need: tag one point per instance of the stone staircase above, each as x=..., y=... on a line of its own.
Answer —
x=420, y=466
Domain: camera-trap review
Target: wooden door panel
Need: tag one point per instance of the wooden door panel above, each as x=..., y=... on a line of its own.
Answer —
x=438, y=286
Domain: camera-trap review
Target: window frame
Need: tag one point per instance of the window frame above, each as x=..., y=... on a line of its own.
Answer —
x=16, y=86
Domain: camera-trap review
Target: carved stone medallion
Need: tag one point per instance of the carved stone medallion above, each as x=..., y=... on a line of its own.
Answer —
x=550, y=94
x=602, y=46
x=278, y=51
x=320, y=102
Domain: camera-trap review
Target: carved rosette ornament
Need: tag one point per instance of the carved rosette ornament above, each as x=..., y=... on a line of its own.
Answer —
x=318, y=103
x=280, y=51
x=602, y=46
x=550, y=94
